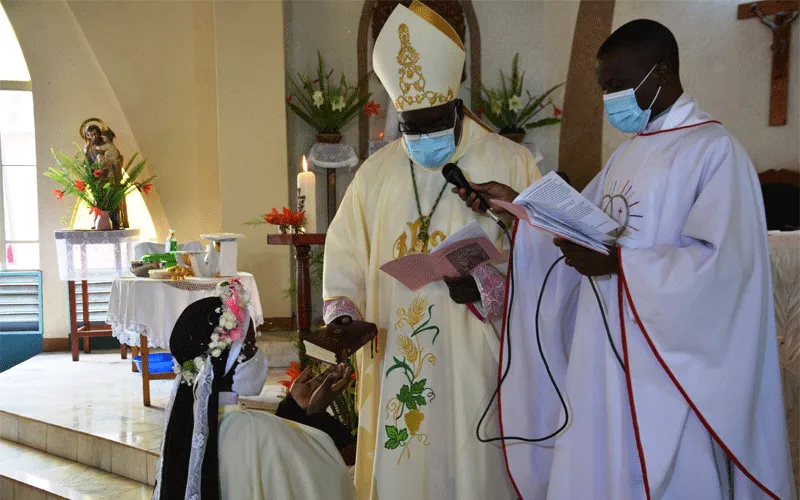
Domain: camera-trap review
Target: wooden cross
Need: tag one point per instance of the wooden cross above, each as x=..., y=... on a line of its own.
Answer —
x=778, y=15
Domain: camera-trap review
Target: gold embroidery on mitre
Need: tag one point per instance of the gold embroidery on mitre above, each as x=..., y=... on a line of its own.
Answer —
x=412, y=81
x=401, y=246
x=437, y=21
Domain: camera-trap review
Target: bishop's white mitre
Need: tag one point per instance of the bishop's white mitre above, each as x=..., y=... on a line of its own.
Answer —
x=419, y=58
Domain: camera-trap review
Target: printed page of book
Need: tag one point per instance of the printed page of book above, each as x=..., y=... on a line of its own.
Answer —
x=458, y=255
x=561, y=201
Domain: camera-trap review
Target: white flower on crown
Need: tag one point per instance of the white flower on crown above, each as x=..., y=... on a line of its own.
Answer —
x=515, y=103
x=227, y=320
x=220, y=340
x=318, y=99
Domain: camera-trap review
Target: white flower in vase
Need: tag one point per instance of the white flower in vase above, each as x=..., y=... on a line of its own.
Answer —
x=318, y=99
x=338, y=103
x=515, y=103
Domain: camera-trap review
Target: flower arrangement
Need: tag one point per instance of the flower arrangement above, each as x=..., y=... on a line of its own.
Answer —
x=97, y=187
x=235, y=301
x=325, y=105
x=506, y=110
x=285, y=219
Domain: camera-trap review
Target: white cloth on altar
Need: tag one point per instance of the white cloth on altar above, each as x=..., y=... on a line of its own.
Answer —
x=94, y=255
x=453, y=355
x=151, y=307
x=696, y=261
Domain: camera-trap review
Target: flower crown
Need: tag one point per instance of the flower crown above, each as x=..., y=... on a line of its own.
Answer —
x=235, y=302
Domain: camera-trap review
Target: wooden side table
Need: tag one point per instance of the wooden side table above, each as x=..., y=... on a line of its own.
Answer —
x=85, y=256
x=85, y=332
x=302, y=248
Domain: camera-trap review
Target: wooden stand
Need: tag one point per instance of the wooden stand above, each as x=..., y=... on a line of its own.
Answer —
x=302, y=248
x=85, y=332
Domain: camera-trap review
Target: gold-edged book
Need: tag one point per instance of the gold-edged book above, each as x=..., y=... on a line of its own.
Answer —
x=335, y=343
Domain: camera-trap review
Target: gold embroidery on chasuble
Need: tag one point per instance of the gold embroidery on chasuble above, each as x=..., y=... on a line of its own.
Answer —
x=409, y=242
x=412, y=81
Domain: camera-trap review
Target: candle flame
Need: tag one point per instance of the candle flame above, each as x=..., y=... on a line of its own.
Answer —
x=305, y=164
x=380, y=136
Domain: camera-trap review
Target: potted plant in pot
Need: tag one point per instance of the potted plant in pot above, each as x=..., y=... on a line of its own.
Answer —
x=97, y=187
x=324, y=104
x=512, y=115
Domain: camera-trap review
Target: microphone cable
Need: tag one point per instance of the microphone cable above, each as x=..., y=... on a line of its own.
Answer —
x=541, y=353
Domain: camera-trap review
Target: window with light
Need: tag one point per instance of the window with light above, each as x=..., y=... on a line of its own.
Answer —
x=19, y=223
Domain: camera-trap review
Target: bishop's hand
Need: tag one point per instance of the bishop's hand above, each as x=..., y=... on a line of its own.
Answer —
x=490, y=190
x=588, y=262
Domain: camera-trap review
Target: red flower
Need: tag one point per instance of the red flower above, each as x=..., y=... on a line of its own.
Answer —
x=58, y=194
x=556, y=112
x=98, y=173
x=371, y=108
x=80, y=186
x=285, y=218
x=288, y=99
x=146, y=188
x=293, y=372
x=95, y=211
x=480, y=111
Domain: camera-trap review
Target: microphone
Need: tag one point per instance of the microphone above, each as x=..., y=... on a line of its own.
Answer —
x=453, y=174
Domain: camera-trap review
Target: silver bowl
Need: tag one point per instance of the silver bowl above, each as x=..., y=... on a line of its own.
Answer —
x=141, y=269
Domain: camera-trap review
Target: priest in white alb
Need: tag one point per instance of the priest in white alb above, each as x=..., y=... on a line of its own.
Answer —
x=424, y=384
x=669, y=370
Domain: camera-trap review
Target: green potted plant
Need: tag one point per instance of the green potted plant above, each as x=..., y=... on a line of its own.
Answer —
x=95, y=186
x=325, y=105
x=512, y=115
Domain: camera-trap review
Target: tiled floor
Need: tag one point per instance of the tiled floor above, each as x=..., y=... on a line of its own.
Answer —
x=98, y=396
x=26, y=469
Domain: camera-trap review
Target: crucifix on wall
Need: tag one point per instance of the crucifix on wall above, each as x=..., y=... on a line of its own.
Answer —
x=778, y=16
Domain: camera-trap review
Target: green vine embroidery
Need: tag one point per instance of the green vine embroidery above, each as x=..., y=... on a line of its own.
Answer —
x=405, y=409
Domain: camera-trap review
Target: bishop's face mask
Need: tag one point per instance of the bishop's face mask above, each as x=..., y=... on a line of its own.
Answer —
x=434, y=149
x=623, y=110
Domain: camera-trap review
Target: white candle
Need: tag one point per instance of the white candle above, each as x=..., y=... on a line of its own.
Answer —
x=307, y=197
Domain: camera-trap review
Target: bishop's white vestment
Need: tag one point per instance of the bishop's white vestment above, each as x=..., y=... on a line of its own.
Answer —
x=697, y=412
x=423, y=387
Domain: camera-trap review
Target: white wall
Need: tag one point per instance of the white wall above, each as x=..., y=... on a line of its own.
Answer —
x=725, y=62
x=216, y=139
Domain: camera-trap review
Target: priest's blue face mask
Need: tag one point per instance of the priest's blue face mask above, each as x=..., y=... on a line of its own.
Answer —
x=623, y=110
x=434, y=149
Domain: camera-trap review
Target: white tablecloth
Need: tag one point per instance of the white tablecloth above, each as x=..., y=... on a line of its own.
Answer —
x=94, y=255
x=151, y=307
x=784, y=249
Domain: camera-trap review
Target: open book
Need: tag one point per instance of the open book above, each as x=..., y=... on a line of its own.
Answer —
x=552, y=205
x=458, y=255
x=335, y=343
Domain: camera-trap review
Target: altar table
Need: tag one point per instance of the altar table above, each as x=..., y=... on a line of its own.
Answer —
x=142, y=313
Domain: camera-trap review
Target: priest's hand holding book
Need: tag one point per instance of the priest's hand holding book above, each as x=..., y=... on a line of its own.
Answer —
x=586, y=261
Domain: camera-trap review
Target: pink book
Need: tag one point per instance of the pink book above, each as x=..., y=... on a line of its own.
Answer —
x=465, y=250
